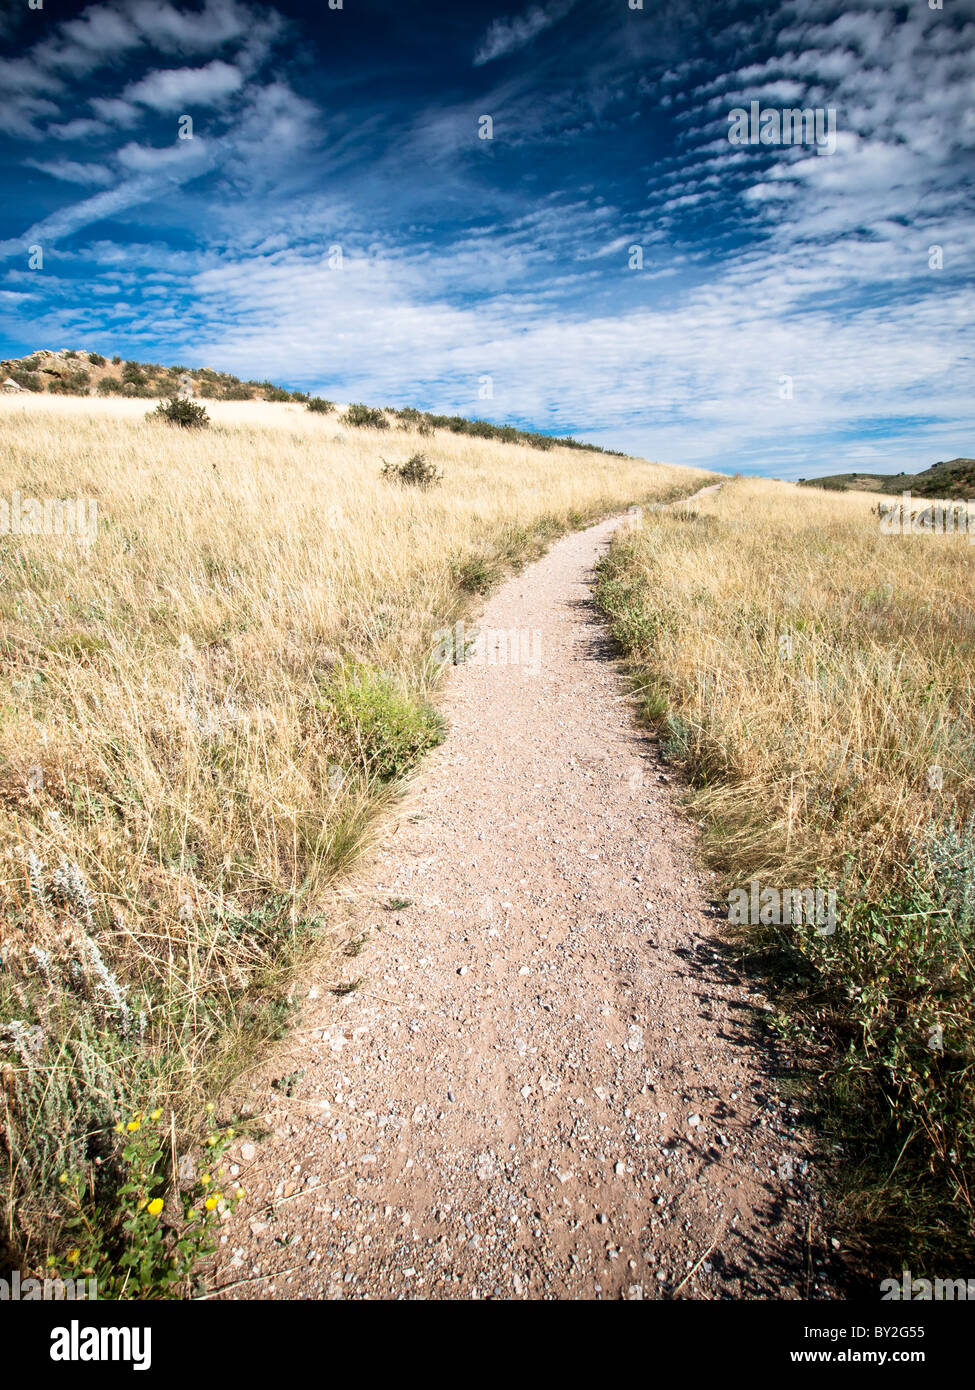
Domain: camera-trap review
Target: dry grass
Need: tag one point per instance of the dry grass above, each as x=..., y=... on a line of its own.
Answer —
x=817, y=680
x=202, y=713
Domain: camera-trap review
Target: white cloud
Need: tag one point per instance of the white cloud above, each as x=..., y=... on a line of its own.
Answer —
x=72, y=172
x=187, y=158
x=177, y=89
x=114, y=111
x=78, y=129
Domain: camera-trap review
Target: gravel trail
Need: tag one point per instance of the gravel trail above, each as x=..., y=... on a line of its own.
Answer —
x=553, y=1082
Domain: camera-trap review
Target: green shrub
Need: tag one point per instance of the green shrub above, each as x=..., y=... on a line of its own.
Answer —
x=366, y=415
x=30, y=381
x=384, y=728
x=188, y=415
x=274, y=393
x=417, y=471
x=96, y=359
x=133, y=373
x=319, y=406
x=237, y=392
x=71, y=384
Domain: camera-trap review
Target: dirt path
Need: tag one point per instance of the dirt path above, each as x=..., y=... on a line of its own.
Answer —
x=552, y=1082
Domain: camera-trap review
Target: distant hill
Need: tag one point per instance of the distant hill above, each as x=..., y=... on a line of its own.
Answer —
x=75, y=373
x=950, y=478
x=71, y=372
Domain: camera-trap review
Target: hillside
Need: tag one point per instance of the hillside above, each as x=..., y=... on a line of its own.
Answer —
x=951, y=478
x=70, y=372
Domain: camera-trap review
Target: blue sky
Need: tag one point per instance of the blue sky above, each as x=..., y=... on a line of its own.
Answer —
x=464, y=258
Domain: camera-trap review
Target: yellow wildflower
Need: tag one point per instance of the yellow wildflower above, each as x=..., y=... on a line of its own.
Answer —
x=155, y=1206
x=210, y=1203
x=73, y=1256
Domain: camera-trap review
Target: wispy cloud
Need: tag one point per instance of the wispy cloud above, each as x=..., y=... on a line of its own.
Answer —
x=506, y=36
x=70, y=171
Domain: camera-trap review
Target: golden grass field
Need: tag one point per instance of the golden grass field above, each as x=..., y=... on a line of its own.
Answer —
x=202, y=712
x=816, y=678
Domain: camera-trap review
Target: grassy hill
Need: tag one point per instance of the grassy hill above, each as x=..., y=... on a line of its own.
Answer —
x=71, y=372
x=950, y=478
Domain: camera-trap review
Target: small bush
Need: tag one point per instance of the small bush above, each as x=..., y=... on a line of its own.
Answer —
x=133, y=373
x=237, y=392
x=274, y=393
x=116, y=360
x=30, y=381
x=319, y=406
x=71, y=384
x=96, y=359
x=187, y=414
x=417, y=471
x=359, y=414
x=384, y=728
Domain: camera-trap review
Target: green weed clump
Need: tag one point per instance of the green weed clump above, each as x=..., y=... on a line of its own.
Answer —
x=139, y=1222
x=385, y=730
